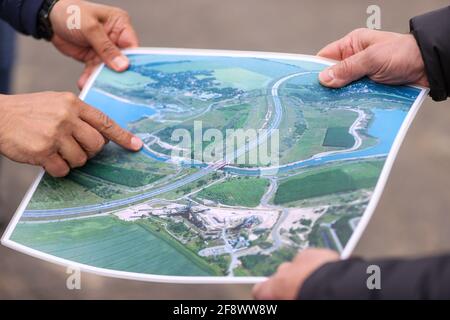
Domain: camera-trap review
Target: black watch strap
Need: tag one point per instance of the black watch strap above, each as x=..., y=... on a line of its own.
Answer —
x=44, y=27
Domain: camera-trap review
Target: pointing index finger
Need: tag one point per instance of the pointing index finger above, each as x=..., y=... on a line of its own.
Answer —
x=109, y=128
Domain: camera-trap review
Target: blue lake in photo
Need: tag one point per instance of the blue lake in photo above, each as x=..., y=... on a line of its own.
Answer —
x=121, y=111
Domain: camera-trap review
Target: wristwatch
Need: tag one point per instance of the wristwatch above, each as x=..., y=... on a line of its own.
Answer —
x=44, y=25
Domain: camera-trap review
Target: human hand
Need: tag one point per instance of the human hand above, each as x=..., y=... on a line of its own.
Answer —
x=103, y=30
x=57, y=131
x=286, y=283
x=385, y=57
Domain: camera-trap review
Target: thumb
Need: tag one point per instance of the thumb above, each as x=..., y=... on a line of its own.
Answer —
x=106, y=49
x=347, y=71
x=263, y=290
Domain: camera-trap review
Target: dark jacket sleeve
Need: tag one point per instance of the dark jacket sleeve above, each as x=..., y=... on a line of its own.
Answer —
x=22, y=15
x=426, y=278
x=432, y=32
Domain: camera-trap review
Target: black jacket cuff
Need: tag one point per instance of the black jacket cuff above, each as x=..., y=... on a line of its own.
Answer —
x=425, y=278
x=432, y=31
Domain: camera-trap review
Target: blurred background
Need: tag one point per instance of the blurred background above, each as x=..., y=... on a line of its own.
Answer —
x=413, y=217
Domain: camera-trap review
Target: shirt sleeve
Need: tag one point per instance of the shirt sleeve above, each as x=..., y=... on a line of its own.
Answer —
x=426, y=278
x=22, y=15
x=432, y=31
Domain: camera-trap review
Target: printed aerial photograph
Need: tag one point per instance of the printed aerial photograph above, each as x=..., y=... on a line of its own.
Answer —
x=302, y=167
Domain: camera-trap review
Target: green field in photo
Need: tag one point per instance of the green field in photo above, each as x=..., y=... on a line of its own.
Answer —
x=118, y=175
x=317, y=123
x=241, y=78
x=107, y=242
x=246, y=192
x=123, y=81
x=326, y=181
x=338, y=137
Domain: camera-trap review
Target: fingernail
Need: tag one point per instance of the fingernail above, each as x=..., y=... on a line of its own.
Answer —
x=120, y=62
x=326, y=76
x=136, y=143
